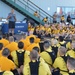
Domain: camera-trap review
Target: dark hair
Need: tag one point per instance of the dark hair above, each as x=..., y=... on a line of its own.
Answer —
x=20, y=45
x=1, y=46
x=46, y=44
x=36, y=49
x=61, y=38
x=5, y=52
x=31, y=40
x=4, y=36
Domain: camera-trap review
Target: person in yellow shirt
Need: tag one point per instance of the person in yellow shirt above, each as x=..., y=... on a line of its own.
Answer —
x=47, y=54
x=12, y=45
x=5, y=63
x=1, y=49
x=39, y=58
x=45, y=19
x=35, y=67
x=60, y=62
x=71, y=65
x=71, y=52
x=62, y=19
x=19, y=56
x=32, y=44
x=36, y=14
x=4, y=41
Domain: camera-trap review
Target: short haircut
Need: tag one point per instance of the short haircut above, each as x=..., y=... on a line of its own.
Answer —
x=4, y=36
x=11, y=38
x=61, y=38
x=46, y=44
x=34, y=55
x=31, y=40
x=5, y=52
x=71, y=61
x=62, y=49
x=36, y=49
x=20, y=45
x=1, y=46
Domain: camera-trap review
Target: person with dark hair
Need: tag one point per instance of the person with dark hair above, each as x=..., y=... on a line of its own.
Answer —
x=71, y=65
x=48, y=55
x=35, y=67
x=1, y=49
x=4, y=40
x=20, y=55
x=5, y=63
x=32, y=44
x=62, y=42
x=69, y=20
x=31, y=40
x=45, y=19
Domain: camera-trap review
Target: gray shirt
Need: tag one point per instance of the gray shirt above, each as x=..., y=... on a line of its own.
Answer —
x=12, y=17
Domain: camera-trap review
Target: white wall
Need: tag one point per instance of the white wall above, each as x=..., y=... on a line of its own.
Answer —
x=5, y=9
x=44, y=4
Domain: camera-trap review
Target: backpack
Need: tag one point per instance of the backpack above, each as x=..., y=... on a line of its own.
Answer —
x=64, y=45
x=1, y=73
x=52, y=55
x=55, y=49
x=71, y=73
x=34, y=67
x=20, y=57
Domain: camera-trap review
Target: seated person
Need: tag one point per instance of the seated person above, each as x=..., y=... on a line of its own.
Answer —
x=20, y=55
x=35, y=67
x=5, y=63
x=71, y=65
x=12, y=45
x=62, y=19
x=45, y=19
x=36, y=14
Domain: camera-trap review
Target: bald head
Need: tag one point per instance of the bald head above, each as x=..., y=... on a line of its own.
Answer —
x=71, y=63
x=11, y=38
x=34, y=55
x=62, y=50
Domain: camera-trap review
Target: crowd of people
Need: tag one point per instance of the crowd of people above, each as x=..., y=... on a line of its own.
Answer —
x=47, y=50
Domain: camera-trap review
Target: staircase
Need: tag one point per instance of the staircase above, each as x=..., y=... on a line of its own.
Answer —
x=27, y=8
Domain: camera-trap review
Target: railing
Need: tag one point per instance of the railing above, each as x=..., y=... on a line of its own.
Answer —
x=31, y=7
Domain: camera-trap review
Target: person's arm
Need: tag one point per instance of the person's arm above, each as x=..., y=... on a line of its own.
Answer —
x=15, y=17
x=9, y=16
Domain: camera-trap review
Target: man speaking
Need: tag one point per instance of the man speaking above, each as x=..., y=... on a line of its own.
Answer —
x=12, y=19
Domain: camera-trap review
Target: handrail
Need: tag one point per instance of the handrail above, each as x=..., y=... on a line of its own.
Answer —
x=29, y=7
x=35, y=8
x=39, y=8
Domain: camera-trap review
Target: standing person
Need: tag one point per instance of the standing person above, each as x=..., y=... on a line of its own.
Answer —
x=69, y=19
x=12, y=19
x=55, y=17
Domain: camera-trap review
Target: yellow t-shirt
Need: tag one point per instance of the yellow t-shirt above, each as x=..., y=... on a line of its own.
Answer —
x=60, y=63
x=43, y=69
x=15, y=59
x=6, y=64
x=47, y=57
x=12, y=46
x=4, y=41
